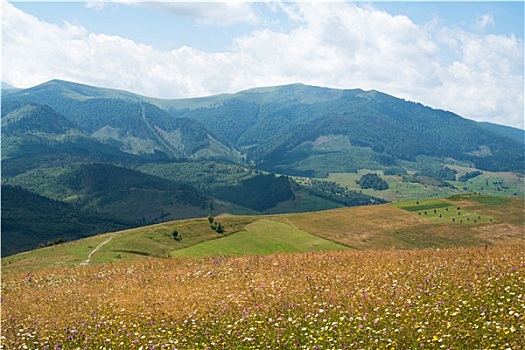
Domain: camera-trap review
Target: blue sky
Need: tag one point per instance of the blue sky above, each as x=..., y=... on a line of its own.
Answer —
x=465, y=57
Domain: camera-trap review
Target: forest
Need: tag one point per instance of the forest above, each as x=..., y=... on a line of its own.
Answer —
x=140, y=160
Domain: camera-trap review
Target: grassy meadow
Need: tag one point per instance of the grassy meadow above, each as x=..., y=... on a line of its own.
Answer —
x=374, y=277
x=481, y=220
x=261, y=237
x=506, y=184
x=456, y=298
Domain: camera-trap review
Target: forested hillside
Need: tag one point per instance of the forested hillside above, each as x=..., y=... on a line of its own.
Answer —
x=30, y=220
x=349, y=129
x=290, y=129
x=145, y=160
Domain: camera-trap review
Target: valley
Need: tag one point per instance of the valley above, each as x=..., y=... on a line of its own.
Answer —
x=281, y=217
x=116, y=160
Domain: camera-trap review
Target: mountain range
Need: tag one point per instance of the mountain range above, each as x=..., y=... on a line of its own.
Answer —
x=140, y=160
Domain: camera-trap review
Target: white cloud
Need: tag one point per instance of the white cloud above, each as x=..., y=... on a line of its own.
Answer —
x=328, y=44
x=484, y=21
x=213, y=13
x=35, y=51
x=346, y=46
x=486, y=81
x=205, y=12
x=31, y=48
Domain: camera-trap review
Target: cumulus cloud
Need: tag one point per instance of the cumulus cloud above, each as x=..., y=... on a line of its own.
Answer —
x=340, y=45
x=345, y=45
x=485, y=82
x=36, y=51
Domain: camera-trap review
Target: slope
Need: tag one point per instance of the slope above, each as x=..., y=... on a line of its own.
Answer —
x=124, y=120
x=36, y=136
x=30, y=220
x=384, y=226
x=507, y=131
x=102, y=193
x=261, y=237
x=286, y=129
x=293, y=129
x=120, y=191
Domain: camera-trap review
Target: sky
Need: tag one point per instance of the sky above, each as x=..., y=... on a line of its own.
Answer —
x=465, y=57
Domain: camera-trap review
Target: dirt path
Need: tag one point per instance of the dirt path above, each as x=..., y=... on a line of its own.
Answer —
x=86, y=262
x=290, y=223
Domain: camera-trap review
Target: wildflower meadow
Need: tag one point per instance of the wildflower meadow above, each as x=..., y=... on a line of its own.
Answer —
x=456, y=298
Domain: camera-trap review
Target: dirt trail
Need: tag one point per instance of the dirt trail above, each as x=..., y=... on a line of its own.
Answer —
x=86, y=262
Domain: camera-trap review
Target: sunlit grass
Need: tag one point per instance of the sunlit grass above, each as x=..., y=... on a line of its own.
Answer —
x=261, y=237
x=441, y=211
x=387, y=226
x=469, y=298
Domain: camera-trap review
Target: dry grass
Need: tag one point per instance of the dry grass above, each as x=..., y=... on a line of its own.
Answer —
x=468, y=298
x=370, y=227
x=512, y=212
x=357, y=225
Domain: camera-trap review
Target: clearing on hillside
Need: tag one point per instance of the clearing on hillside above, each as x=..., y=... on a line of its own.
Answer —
x=261, y=237
x=445, y=212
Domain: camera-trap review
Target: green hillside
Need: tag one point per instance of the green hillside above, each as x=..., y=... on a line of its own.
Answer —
x=160, y=192
x=480, y=221
x=97, y=186
x=261, y=237
x=282, y=149
x=293, y=129
x=123, y=120
x=30, y=220
x=513, y=133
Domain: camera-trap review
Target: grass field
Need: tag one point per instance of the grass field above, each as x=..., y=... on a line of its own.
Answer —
x=441, y=211
x=268, y=282
x=482, y=220
x=398, y=190
x=468, y=298
x=261, y=237
x=488, y=183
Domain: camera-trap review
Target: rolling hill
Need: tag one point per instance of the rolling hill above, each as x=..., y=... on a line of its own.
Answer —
x=291, y=129
x=30, y=220
x=143, y=160
x=458, y=221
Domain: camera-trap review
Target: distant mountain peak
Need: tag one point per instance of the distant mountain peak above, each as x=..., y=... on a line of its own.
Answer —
x=6, y=86
x=267, y=124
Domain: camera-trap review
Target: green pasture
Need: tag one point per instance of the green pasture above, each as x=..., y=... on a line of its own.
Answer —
x=442, y=212
x=262, y=237
x=488, y=183
x=494, y=184
x=398, y=190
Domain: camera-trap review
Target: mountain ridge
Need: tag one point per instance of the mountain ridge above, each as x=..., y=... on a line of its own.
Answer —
x=266, y=126
x=230, y=146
